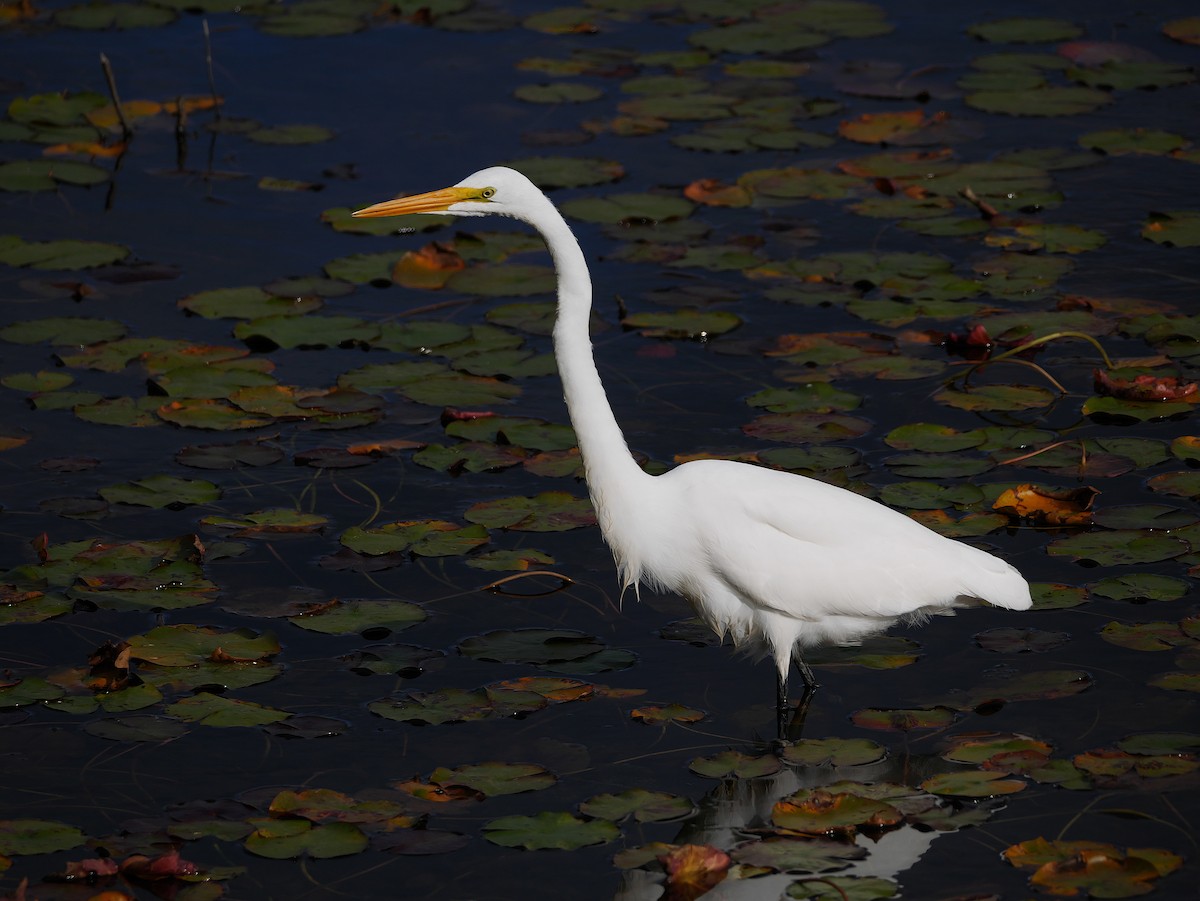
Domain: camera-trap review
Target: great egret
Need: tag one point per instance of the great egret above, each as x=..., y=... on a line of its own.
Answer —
x=775, y=560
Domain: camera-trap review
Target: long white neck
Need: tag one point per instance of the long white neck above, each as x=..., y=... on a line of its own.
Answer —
x=618, y=486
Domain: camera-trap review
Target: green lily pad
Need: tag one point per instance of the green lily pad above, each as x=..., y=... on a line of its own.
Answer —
x=973, y=784
x=1132, y=74
x=817, y=811
x=32, y=607
x=1047, y=100
x=997, y=397
x=549, y=829
x=805, y=428
x=63, y=330
x=536, y=646
x=267, y=523
x=1119, y=546
x=791, y=855
x=285, y=839
x=549, y=172
x=1177, y=682
x=187, y=645
x=495, y=779
x=249, y=302
x=1153, y=636
x=68, y=255
x=101, y=16
x=1184, y=483
x=929, y=496
x=30, y=690
x=736, y=764
x=843, y=888
x=55, y=108
x=1118, y=141
x=352, y=617
x=47, y=175
x=932, y=438
x=814, y=752
x=428, y=538
x=38, y=837
x=208, y=413
x=816, y=397
x=214, y=710
x=452, y=388
x=904, y=719
x=550, y=511
x=1141, y=587
x=644, y=806
x=619, y=208
x=308, y=331
x=162, y=491
x=450, y=705
x=1177, y=228
x=533, y=434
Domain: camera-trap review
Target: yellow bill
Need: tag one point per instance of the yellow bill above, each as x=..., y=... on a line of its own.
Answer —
x=431, y=202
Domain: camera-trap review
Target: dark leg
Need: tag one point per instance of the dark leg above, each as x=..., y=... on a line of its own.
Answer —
x=810, y=681
x=781, y=705
x=793, y=725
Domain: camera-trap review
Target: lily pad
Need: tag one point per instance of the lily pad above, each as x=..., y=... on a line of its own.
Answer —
x=550, y=511
x=644, y=806
x=37, y=837
x=1119, y=546
x=536, y=646
x=284, y=839
x=214, y=710
x=558, y=830
x=351, y=617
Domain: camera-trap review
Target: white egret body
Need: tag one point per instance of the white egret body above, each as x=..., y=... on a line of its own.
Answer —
x=777, y=561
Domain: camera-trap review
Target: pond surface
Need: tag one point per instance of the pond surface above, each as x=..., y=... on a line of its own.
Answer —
x=272, y=617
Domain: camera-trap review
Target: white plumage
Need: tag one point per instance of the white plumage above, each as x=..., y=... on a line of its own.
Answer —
x=777, y=561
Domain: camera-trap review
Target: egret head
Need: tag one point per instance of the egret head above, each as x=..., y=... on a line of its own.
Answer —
x=497, y=191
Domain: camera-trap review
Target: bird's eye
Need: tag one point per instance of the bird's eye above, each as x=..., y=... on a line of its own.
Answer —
x=487, y=193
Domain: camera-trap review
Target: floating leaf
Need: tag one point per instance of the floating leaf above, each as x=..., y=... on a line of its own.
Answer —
x=284, y=839
x=790, y=855
x=213, y=710
x=1119, y=546
x=188, y=645
x=736, y=764
x=427, y=538
x=833, y=752
x=560, y=830
x=844, y=888
x=671, y=713
x=550, y=511
x=536, y=646
x=817, y=811
x=1178, y=228
x=37, y=837
x=972, y=784
x=61, y=255
x=644, y=806
x=494, y=779
x=349, y=617
x=162, y=491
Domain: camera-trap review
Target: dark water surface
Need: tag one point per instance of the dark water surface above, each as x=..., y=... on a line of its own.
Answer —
x=413, y=108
